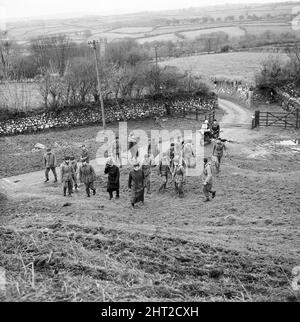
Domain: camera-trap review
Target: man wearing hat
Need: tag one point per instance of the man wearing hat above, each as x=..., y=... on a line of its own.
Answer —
x=164, y=170
x=218, y=149
x=207, y=180
x=87, y=175
x=49, y=160
x=113, y=182
x=67, y=174
x=215, y=128
x=136, y=184
x=178, y=175
x=85, y=154
x=146, y=168
x=74, y=165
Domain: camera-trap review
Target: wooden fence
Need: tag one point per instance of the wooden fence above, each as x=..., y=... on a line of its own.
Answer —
x=280, y=119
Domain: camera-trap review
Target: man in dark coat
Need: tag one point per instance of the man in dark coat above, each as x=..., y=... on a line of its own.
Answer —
x=215, y=128
x=113, y=183
x=67, y=174
x=49, y=160
x=146, y=168
x=164, y=171
x=136, y=184
x=87, y=176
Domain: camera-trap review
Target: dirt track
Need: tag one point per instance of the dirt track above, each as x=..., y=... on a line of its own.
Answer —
x=241, y=246
x=234, y=116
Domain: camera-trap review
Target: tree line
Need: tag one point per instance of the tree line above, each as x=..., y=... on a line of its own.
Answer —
x=277, y=73
x=66, y=75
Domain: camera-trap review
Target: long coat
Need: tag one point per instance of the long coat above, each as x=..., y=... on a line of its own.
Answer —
x=87, y=174
x=113, y=182
x=136, y=184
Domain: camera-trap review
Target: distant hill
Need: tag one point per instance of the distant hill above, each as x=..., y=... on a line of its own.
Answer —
x=149, y=26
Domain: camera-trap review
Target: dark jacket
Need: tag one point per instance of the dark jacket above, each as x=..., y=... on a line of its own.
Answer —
x=49, y=160
x=87, y=174
x=136, y=180
x=113, y=172
x=85, y=156
x=164, y=168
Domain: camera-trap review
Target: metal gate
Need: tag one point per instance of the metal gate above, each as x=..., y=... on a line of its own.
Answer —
x=280, y=119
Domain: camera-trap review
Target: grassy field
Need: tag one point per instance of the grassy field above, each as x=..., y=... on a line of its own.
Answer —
x=20, y=96
x=231, y=31
x=144, y=25
x=164, y=37
x=233, y=65
x=258, y=29
x=17, y=156
x=242, y=246
x=133, y=30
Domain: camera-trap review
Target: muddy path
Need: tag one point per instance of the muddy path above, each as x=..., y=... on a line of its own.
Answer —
x=235, y=115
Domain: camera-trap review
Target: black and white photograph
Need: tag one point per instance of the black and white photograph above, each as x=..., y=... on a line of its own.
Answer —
x=149, y=153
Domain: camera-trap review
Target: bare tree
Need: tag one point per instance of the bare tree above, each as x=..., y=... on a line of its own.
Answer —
x=54, y=49
x=5, y=55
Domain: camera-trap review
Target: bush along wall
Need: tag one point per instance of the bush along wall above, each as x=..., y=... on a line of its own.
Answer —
x=157, y=106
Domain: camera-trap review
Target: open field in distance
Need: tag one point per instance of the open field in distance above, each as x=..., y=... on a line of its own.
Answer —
x=238, y=64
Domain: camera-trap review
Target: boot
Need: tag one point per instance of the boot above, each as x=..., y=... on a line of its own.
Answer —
x=94, y=192
x=46, y=180
x=213, y=194
x=206, y=199
x=65, y=192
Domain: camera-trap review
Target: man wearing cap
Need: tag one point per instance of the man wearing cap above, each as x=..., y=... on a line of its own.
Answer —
x=113, y=182
x=85, y=154
x=215, y=129
x=49, y=160
x=178, y=175
x=217, y=152
x=66, y=175
x=136, y=184
x=164, y=170
x=74, y=165
x=207, y=180
x=116, y=151
x=87, y=175
x=146, y=168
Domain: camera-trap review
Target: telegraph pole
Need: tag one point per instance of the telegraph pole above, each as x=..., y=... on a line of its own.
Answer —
x=156, y=69
x=93, y=44
x=156, y=62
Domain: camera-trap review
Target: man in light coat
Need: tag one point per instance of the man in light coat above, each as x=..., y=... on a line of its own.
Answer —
x=207, y=180
x=217, y=153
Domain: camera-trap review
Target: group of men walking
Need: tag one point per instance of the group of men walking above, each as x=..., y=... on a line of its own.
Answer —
x=70, y=173
x=171, y=167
